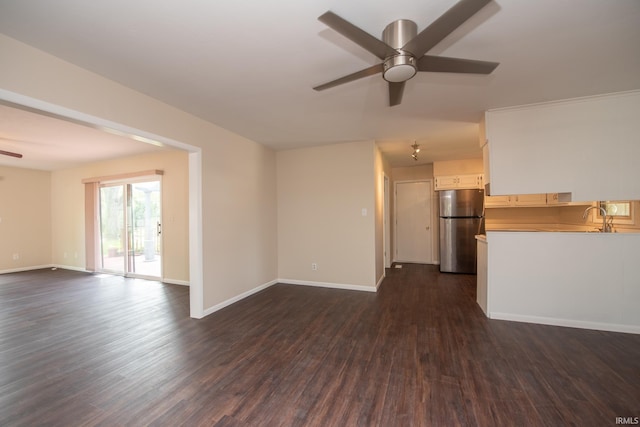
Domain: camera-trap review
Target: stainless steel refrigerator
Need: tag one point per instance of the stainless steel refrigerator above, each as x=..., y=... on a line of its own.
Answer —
x=461, y=218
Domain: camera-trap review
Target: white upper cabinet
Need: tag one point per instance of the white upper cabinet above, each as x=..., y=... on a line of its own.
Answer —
x=538, y=200
x=589, y=147
x=457, y=182
x=484, y=144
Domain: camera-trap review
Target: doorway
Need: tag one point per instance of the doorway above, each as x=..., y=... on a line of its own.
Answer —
x=414, y=222
x=386, y=234
x=130, y=228
x=196, y=280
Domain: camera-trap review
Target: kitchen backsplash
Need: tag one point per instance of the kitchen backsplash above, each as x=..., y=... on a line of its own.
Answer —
x=558, y=217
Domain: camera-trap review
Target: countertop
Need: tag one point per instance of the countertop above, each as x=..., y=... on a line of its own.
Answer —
x=555, y=228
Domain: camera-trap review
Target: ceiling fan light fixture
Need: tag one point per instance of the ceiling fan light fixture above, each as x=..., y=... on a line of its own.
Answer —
x=399, y=68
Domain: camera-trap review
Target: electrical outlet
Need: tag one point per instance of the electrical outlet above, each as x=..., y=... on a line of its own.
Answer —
x=314, y=266
x=16, y=256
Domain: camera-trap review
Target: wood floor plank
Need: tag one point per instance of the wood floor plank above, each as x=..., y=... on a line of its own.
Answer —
x=97, y=350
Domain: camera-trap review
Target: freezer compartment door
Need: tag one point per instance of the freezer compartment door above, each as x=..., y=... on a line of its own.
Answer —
x=461, y=203
x=458, y=245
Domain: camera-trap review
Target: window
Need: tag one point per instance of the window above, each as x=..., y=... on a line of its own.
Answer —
x=618, y=212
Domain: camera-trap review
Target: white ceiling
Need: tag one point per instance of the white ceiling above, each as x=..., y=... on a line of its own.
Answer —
x=50, y=143
x=249, y=65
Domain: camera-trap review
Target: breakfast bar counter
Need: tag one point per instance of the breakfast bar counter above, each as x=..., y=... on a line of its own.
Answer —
x=578, y=279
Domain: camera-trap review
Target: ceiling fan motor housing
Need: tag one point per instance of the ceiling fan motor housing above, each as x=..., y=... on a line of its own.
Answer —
x=400, y=67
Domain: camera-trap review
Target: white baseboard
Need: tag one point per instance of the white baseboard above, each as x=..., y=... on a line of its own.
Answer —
x=244, y=295
x=83, y=270
x=237, y=298
x=380, y=282
x=570, y=323
x=19, y=269
x=415, y=262
x=176, y=282
x=328, y=285
x=69, y=267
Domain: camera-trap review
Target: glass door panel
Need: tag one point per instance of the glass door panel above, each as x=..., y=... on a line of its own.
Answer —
x=112, y=235
x=144, y=229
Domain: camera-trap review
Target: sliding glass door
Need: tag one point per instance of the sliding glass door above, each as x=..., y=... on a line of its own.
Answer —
x=130, y=228
x=112, y=229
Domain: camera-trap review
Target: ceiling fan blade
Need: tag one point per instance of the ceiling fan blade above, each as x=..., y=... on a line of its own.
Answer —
x=395, y=93
x=358, y=36
x=443, y=64
x=443, y=26
x=375, y=69
x=9, y=153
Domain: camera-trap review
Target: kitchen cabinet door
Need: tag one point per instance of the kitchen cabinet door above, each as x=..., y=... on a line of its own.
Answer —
x=497, y=201
x=470, y=181
x=458, y=182
x=558, y=198
x=535, y=148
x=530, y=200
x=446, y=182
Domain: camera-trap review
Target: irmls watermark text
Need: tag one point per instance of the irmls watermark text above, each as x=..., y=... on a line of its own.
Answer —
x=628, y=420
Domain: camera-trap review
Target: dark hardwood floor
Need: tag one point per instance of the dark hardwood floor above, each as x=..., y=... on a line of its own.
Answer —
x=79, y=349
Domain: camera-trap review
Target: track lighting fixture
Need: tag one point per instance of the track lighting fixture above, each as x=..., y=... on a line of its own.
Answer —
x=416, y=150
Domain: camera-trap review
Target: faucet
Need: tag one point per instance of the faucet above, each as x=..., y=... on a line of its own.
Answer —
x=606, y=228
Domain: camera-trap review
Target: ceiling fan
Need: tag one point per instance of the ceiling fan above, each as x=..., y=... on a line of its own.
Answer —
x=9, y=153
x=403, y=50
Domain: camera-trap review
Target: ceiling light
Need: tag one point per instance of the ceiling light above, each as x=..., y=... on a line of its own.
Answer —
x=399, y=68
x=416, y=150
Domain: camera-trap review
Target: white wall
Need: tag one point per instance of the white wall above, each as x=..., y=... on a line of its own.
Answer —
x=240, y=218
x=410, y=173
x=457, y=167
x=238, y=202
x=584, y=280
x=322, y=192
x=25, y=218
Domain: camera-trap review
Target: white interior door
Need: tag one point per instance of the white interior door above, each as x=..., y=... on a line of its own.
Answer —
x=414, y=230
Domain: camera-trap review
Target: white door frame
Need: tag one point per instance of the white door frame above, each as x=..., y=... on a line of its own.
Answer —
x=432, y=225
x=386, y=229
